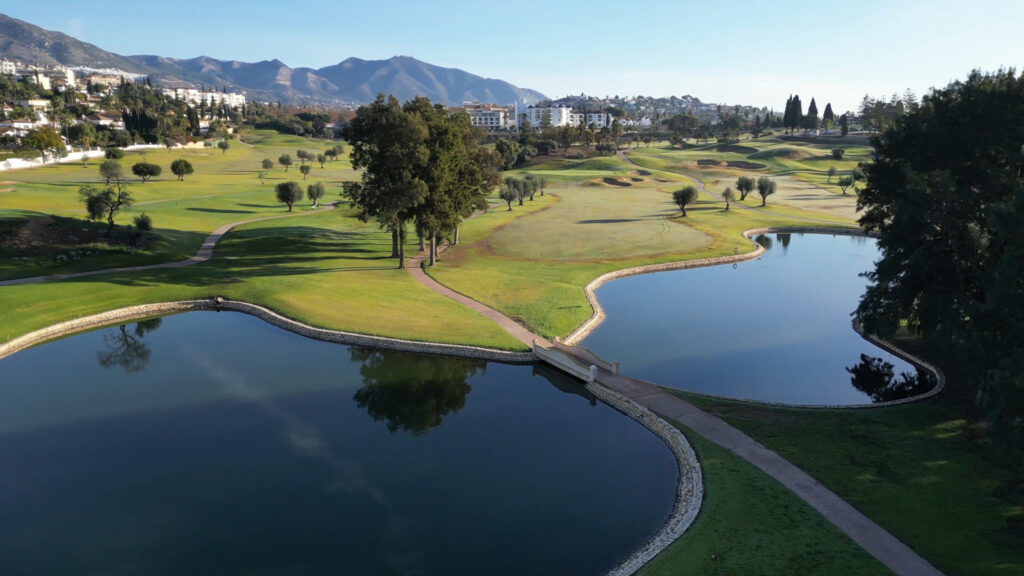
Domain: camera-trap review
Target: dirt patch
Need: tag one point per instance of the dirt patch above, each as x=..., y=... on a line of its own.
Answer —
x=6, y=189
x=710, y=162
x=737, y=149
x=8, y=183
x=744, y=165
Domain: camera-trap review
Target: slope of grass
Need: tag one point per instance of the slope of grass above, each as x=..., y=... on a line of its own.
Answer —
x=750, y=524
x=915, y=469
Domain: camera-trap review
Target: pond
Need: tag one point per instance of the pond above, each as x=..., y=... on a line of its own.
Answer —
x=775, y=329
x=208, y=443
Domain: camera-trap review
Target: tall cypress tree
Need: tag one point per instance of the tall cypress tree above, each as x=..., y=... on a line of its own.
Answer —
x=828, y=117
x=798, y=112
x=787, y=116
x=811, y=120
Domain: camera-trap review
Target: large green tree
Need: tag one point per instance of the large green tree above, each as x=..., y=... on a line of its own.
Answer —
x=288, y=193
x=181, y=168
x=389, y=145
x=105, y=203
x=684, y=196
x=43, y=139
x=945, y=193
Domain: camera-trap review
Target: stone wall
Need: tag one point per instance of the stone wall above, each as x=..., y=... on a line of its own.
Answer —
x=122, y=315
x=689, y=489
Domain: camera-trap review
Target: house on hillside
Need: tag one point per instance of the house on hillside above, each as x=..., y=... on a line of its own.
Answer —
x=106, y=120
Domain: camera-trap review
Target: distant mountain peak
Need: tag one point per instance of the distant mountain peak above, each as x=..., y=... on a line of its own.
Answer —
x=351, y=81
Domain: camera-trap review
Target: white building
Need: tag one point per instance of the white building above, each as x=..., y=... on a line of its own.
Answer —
x=8, y=67
x=489, y=116
x=592, y=119
x=194, y=96
x=549, y=116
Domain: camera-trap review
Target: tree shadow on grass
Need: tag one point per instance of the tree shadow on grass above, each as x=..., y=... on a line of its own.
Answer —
x=608, y=221
x=220, y=211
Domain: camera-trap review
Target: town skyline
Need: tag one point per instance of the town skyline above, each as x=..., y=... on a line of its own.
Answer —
x=732, y=54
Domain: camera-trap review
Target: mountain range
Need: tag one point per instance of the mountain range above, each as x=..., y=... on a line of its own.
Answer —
x=351, y=81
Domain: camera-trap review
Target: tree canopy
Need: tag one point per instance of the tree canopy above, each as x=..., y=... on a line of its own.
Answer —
x=945, y=193
x=181, y=168
x=145, y=170
x=288, y=193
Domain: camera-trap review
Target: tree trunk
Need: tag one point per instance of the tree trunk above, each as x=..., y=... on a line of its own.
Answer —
x=684, y=211
x=401, y=247
x=394, y=243
x=433, y=248
x=422, y=242
x=456, y=242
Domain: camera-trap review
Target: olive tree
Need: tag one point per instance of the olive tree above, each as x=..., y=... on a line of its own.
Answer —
x=684, y=196
x=288, y=193
x=181, y=168
x=765, y=187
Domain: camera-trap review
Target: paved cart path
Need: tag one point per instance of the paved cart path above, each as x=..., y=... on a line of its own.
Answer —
x=205, y=253
x=885, y=547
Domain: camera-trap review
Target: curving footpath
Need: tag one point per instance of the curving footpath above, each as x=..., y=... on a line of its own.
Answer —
x=205, y=253
x=885, y=547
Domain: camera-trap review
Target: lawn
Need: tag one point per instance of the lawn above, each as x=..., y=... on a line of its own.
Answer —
x=799, y=169
x=531, y=263
x=919, y=470
x=223, y=189
x=327, y=270
x=750, y=524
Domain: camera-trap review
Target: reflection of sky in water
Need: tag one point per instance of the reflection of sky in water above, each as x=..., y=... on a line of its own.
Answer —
x=777, y=328
x=240, y=448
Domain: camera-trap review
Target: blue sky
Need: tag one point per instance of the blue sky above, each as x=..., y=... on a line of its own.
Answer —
x=726, y=51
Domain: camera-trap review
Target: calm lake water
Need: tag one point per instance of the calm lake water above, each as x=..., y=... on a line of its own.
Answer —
x=210, y=443
x=774, y=329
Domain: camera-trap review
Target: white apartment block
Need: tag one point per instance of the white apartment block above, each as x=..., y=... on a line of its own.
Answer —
x=554, y=116
x=194, y=96
x=592, y=119
x=489, y=116
x=8, y=67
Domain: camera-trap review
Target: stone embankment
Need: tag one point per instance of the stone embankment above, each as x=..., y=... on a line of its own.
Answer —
x=130, y=313
x=689, y=489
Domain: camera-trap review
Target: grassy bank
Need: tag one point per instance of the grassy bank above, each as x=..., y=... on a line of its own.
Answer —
x=919, y=470
x=750, y=524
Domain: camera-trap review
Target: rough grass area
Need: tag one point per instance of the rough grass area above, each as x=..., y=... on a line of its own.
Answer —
x=750, y=524
x=917, y=470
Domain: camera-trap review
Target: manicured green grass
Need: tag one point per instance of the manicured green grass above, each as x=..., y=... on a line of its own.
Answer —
x=799, y=169
x=532, y=263
x=916, y=469
x=223, y=189
x=327, y=270
x=750, y=524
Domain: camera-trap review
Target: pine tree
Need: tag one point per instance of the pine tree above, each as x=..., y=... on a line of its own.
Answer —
x=787, y=116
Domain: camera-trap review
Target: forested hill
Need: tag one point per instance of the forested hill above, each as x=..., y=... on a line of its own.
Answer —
x=351, y=81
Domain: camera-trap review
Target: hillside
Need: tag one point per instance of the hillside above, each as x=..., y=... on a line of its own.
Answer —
x=351, y=81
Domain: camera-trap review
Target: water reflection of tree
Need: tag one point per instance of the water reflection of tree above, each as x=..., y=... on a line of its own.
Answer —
x=126, y=349
x=412, y=392
x=875, y=377
x=784, y=238
x=764, y=240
